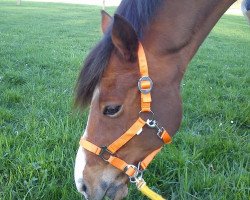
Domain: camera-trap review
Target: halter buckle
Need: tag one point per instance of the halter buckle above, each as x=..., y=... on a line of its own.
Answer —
x=148, y=89
x=160, y=132
x=104, y=151
x=136, y=176
x=153, y=124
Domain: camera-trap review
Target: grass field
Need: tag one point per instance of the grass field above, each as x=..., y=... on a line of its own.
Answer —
x=42, y=47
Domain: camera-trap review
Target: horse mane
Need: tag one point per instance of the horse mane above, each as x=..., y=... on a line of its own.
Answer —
x=138, y=13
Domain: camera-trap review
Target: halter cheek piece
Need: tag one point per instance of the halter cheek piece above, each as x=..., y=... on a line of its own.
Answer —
x=145, y=85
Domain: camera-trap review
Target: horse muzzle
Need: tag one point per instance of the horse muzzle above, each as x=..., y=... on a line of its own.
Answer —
x=115, y=190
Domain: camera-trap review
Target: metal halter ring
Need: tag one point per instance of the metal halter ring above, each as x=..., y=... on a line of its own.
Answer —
x=147, y=90
x=104, y=151
x=151, y=123
x=136, y=176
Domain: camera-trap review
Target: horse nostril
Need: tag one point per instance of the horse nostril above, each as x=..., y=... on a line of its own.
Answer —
x=84, y=188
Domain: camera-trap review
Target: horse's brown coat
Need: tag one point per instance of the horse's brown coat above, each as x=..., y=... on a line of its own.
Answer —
x=170, y=41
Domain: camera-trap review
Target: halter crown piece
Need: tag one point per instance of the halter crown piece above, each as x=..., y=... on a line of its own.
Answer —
x=107, y=153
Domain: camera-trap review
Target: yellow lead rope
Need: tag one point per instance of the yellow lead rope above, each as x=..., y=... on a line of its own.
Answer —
x=141, y=186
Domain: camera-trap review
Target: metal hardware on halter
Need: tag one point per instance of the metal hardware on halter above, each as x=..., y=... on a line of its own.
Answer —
x=136, y=176
x=145, y=90
x=160, y=132
x=154, y=124
x=151, y=123
x=104, y=150
x=140, y=168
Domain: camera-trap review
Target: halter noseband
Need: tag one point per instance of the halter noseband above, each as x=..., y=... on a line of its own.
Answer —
x=145, y=85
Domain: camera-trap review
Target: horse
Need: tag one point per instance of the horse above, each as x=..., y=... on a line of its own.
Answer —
x=245, y=7
x=167, y=34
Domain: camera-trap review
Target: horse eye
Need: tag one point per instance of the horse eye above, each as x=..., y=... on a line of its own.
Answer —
x=111, y=110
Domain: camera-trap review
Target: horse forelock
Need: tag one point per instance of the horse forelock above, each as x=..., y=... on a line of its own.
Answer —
x=92, y=71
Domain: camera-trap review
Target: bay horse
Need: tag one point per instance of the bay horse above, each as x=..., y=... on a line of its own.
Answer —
x=168, y=33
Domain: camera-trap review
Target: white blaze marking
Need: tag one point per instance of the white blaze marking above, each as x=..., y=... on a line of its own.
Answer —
x=81, y=160
x=80, y=164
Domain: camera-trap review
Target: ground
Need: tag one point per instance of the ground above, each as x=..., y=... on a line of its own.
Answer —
x=42, y=47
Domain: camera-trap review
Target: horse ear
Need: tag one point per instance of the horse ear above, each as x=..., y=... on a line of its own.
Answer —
x=125, y=38
x=106, y=21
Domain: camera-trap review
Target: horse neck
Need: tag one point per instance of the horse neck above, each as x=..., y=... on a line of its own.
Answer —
x=170, y=41
x=179, y=28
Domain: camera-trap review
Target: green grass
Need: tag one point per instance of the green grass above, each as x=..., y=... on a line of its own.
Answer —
x=42, y=47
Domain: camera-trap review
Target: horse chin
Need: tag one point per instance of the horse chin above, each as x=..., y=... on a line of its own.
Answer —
x=117, y=192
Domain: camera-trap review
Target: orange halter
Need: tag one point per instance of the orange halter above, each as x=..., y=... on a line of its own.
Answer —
x=145, y=85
